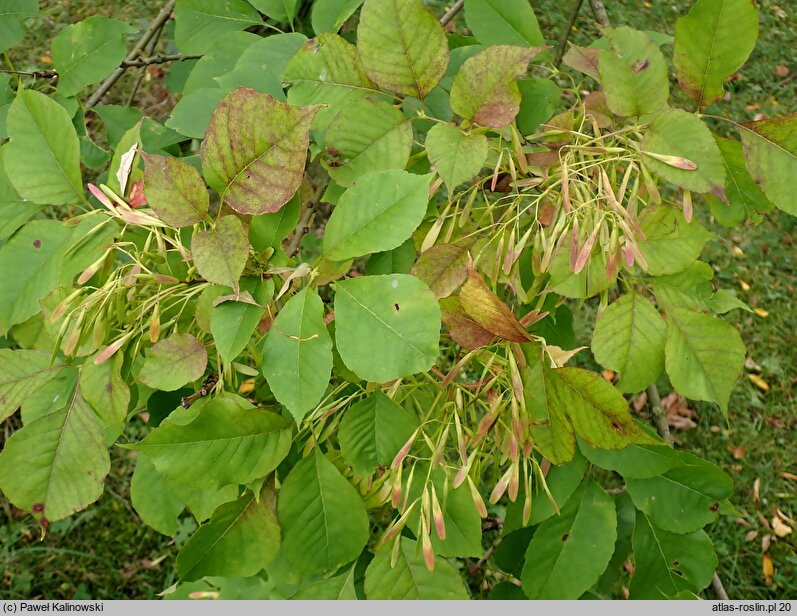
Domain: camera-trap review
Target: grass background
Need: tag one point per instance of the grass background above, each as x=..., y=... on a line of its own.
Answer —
x=106, y=552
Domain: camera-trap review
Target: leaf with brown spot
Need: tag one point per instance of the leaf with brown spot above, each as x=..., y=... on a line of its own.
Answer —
x=255, y=150
x=443, y=268
x=486, y=309
x=584, y=60
x=175, y=190
x=485, y=90
x=220, y=253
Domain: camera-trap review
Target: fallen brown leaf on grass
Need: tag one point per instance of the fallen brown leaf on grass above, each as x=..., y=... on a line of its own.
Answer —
x=758, y=382
x=739, y=452
x=765, y=541
x=784, y=518
x=786, y=475
x=751, y=535
x=757, y=491
x=679, y=415
x=781, y=71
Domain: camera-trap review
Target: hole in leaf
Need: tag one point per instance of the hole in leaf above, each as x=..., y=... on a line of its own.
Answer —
x=565, y=537
x=640, y=66
x=37, y=243
x=714, y=507
x=396, y=307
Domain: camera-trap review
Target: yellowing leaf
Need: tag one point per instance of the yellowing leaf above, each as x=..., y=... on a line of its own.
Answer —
x=781, y=528
x=758, y=382
x=768, y=568
x=761, y=312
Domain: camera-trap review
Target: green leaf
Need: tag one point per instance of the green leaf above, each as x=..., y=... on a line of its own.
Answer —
x=323, y=518
x=338, y=587
x=229, y=442
x=191, y=115
x=745, y=199
x=202, y=502
x=704, y=356
x=634, y=461
x=175, y=190
x=43, y=159
x=633, y=73
x=568, y=553
x=200, y=23
x=485, y=90
x=378, y=213
x=268, y=230
x=31, y=266
x=770, y=149
x=397, y=315
x=64, y=458
x=107, y=393
x=711, y=42
x=503, y=22
x=671, y=244
x=565, y=401
x=233, y=323
x=409, y=579
x=367, y=136
x=220, y=253
x=218, y=62
x=456, y=156
x=154, y=499
x=443, y=268
x=12, y=30
x=629, y=338
x=681, y=134
x=256, y=166
x=685, y=498
x=21, y=374
x=402, y=46
x=262, y=64
x=88, y=51
x=283, y=11
x=53, y=396
x=297, y=354
x=241, y=538
x=539, y=102
x=327, y=69
x=397, y=261
x=173, y=362
x=330, y=15
x=667, y=563
x=372, y=432
x=690, y=288
x=14, y=210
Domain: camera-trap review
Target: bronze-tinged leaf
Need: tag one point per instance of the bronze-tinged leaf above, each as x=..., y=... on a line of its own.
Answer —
x=461, y=327
x=220, y=253
x=486, y=309
x=402, y=46
x=175, y=190
x=443, y=267
x=584, y=60
x=485, y=90
x=255, y=150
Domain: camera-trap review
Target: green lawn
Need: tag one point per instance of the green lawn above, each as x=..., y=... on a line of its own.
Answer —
x=106, y=552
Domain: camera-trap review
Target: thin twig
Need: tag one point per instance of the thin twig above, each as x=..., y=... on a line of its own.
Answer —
x=158, y=58
x=566, y=34
x=156, y=24
x=600, y=13
x=36, y=74
x=142, y=73
x=452, y=12
x=659, y=413
x=718, y=588
x=303, y=226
